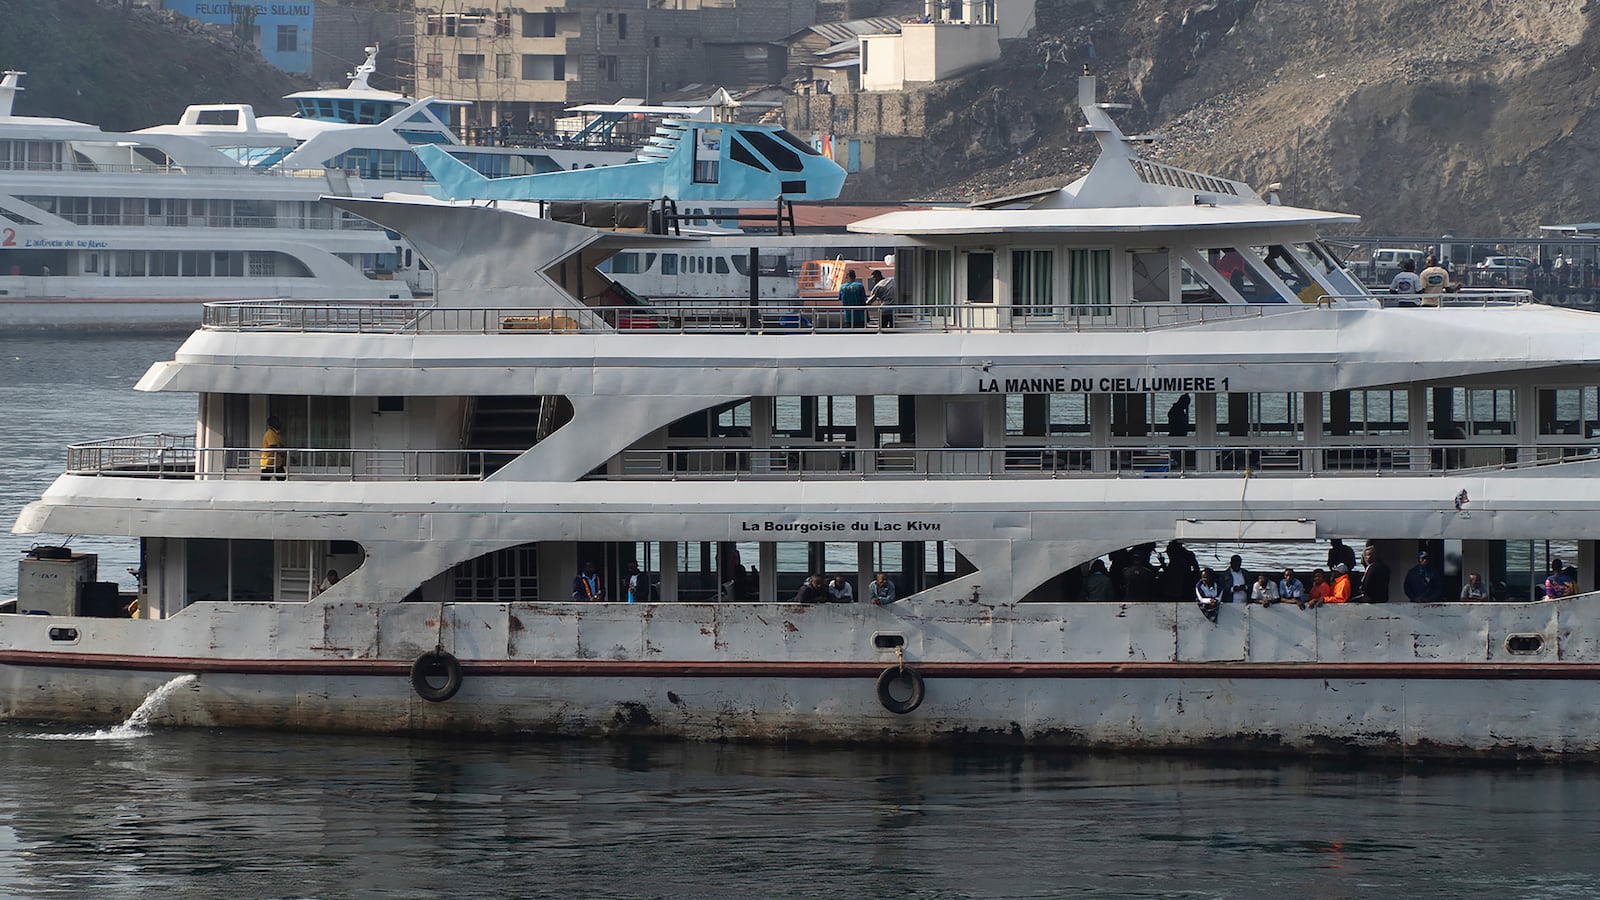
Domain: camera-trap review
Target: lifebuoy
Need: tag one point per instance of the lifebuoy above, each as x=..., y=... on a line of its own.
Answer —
x=433, y=665
x=896, y=673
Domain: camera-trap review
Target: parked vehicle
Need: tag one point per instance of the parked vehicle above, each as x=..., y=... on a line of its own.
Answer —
x=1505, y=269
x=1387, y=261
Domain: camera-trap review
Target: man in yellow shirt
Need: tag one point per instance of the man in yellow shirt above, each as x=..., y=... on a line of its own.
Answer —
x=1435, y=280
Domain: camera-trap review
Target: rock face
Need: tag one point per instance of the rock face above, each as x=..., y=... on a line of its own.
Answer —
x=1420, y=115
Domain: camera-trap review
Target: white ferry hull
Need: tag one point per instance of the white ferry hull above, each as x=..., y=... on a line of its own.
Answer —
x=1408, y=680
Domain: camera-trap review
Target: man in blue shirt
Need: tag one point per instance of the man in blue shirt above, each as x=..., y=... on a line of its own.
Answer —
x=587, y=585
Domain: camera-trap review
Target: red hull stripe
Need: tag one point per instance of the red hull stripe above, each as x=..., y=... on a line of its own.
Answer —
x=788, y=669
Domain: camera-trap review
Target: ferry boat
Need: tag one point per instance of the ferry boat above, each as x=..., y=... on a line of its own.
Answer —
x=428, y=518
x=101, y=227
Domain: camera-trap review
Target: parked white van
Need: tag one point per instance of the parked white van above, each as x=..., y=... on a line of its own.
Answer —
x=1386, y=261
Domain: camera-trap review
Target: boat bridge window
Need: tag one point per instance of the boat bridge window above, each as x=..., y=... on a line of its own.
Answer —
x=32, y=155
x=1456, y=413
x=1242, y=270
x=742, y=154
x=1569, y=411
x=1286, y=263
x=707, y=155
x=796, y=143
x=781, y=157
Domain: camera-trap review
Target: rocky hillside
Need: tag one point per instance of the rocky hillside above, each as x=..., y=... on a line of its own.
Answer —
x=1421, y=115
x=127, y=67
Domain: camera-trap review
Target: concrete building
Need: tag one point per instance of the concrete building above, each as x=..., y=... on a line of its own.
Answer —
x=951, y=39
x=522, y=64
x=281, y=31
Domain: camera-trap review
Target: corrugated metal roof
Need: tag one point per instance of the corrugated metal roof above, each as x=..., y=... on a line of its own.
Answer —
x=839, y=32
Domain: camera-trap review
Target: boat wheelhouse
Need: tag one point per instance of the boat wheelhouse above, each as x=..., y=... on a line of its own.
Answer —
x=1017, y=414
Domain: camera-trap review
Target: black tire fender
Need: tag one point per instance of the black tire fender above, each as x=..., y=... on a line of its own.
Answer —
x=895, y=673
x=432, y=665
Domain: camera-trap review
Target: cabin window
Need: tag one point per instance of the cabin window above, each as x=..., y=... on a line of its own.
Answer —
x=669, y=263
x=220, y=569
x=1089, y=290
x=313, y=427
x=1152, y=276
x=707, y=154
x=1369, y=413
x=1457, y=413
x=980, y=277
x=625, y=264
x=1033, y=282
x=1573, y=412
x=722, y=265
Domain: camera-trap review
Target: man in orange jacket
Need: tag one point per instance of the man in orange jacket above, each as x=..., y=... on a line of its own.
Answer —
x=1341, y=584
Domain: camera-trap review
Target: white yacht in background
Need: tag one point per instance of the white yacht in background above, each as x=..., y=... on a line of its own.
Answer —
x=440, y=533
x=114, y=228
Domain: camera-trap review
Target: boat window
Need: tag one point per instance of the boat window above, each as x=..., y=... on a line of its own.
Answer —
x=707, y=155
x=1569, y=411
x=1257, y=415
x=781, y=157
x=730, y=420
x=1242, y=272
x=1456, y=413
x=722, y=265
x=893, y=420
x=937, y=271
x=1033, y=282
x=1365, y=413
x=1291, y=269
x=741, y=264
x=624, y=264
x=1324, y=260
x=796, y=143
x=1047, y=416
x=1152, y=276
x=221, y=569
x=823, y=419
x=1089, y=282
x=741, y=154
x=502, y=576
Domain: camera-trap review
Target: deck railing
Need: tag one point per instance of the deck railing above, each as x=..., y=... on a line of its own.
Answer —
x=736, y=316
x=1173, y=461
x=175, y=456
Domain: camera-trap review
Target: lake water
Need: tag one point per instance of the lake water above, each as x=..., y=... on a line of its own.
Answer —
x=194, y=813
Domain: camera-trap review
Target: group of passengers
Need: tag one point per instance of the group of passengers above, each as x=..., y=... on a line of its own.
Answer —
x=880, y=590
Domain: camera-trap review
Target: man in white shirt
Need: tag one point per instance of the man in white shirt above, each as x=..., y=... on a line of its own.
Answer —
x=1406, y=281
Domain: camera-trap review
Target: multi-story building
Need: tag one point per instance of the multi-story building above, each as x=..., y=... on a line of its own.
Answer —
x=526, y=63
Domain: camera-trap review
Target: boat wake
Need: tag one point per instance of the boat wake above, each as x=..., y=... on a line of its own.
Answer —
x=136, y=725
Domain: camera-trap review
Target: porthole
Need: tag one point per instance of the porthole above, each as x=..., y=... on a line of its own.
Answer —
x=888, y=641
x=1524, y=644
x=64, y=635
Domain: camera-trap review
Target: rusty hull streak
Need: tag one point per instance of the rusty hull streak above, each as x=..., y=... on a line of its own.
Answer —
x=802, y=669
